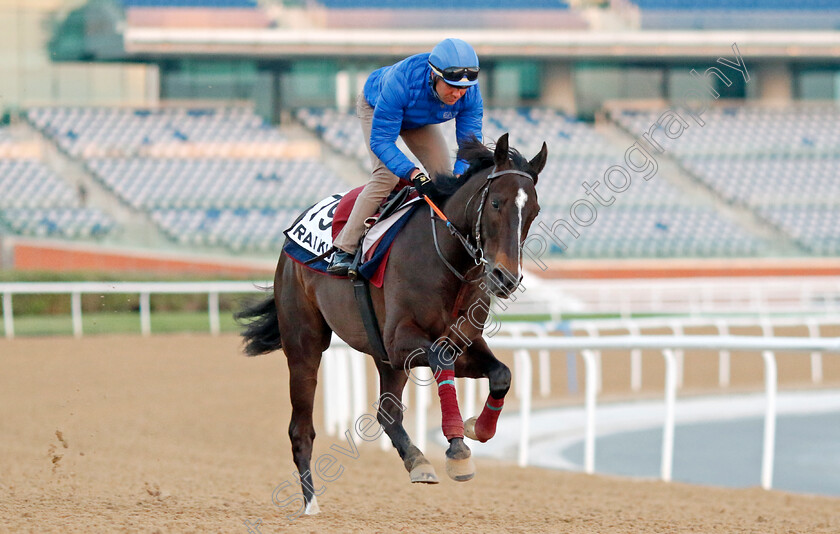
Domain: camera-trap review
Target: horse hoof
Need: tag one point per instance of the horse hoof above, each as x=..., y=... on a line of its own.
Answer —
x=423, y=474
x=312, y=507
x=469, y=428
x=459, y=463
x=460, y=470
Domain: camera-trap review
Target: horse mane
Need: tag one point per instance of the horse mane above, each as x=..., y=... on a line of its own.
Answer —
x=478, y=157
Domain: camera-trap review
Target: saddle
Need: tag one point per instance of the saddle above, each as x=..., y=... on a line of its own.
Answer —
x=397, y=199
x=308, y=236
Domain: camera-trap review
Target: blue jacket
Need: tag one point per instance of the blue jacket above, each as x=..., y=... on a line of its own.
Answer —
x=403, y=99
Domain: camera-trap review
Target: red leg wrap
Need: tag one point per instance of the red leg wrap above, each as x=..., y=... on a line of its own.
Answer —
x=453, y=425
x=485, y=426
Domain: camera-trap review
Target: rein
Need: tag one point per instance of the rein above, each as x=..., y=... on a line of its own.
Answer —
x=476, y=252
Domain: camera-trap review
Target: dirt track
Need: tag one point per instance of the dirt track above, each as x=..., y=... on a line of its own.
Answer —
x=182, y=434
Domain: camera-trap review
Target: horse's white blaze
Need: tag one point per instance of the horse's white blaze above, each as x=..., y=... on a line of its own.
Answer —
x=521, y=200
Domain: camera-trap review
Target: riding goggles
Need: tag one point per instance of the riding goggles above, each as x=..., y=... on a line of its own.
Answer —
x=457, y=74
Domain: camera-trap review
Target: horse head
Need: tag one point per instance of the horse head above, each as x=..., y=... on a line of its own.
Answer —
x=508, y=206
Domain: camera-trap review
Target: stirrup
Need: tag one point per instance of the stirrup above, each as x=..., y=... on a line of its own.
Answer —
x=353, y=270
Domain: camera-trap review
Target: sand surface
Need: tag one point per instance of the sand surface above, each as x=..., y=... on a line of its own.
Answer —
x=183, y=434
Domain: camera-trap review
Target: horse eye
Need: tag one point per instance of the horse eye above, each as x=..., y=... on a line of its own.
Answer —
x=495, y=203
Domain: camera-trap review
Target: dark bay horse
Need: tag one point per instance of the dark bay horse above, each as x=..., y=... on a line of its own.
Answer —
x=431, y=310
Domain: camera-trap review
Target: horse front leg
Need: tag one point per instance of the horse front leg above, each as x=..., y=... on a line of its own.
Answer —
x=459, y=463
x=411, y=348
x=477, y=362
x=390, y=415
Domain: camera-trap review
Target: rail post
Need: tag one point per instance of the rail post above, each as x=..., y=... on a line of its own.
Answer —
x=670, y=408
x=76, y=313
x=8, y=316
x=770, y=386
x=591, y=365
x=524, y=381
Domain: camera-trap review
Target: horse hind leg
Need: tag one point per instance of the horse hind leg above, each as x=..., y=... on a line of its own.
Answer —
x=303, y=379
x=390, y=416
x=306, y=335
x=304, y=345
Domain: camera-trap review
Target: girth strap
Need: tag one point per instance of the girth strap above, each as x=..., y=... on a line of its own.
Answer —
x=361, y=290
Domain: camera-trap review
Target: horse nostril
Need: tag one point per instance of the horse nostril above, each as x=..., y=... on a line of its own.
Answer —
x=503, y=282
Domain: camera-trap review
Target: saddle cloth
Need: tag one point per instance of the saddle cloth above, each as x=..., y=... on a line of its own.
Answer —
x=312, y=234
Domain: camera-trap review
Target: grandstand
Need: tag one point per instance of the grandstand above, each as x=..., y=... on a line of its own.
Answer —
x=653, y=219
x=738, y=14
x=37, y=202
x=244, y=119
x=92, y=132
x=203, y=199
x=779, y=163
x=192, y=172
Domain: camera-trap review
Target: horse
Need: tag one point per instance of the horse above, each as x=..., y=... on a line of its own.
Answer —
x=431, y=310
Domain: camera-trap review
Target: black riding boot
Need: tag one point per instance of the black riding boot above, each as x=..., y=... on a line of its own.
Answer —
x=340, y=263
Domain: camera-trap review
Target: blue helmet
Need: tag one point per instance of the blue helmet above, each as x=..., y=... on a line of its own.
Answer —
x=456, y=62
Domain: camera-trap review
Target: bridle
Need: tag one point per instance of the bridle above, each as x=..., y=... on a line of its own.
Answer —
x=476, y=251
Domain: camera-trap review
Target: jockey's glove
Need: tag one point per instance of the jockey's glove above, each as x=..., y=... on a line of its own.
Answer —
x=423, y=184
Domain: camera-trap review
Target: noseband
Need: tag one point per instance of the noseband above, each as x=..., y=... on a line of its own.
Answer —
x=476, y=251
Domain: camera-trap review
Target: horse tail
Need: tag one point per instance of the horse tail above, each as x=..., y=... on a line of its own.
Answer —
x=262, y=332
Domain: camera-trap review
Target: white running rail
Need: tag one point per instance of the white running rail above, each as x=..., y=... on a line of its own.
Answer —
x=668, y=345
x=144, y=289
x=693, y=296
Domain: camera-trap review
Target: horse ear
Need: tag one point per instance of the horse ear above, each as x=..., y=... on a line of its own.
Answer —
x=501, y=154
x=538, y=163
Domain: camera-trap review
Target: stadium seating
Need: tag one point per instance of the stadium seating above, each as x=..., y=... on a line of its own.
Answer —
x=565, y=176
x=528, y=128
x=66, y=223
x=191, y=3
x=34, y=201
x=455, y=14
x=730, y=14
x=766, y=182
x=151, y=184
x=781, y=163
x=117, y=132
x=442, y=4
x=175, y=165
x=816, y=228
x=650, y=219
x=30, y=184
x=742, y=130
x=206, y=14
x=738, y=5
x=235, y=229
x=645, y=231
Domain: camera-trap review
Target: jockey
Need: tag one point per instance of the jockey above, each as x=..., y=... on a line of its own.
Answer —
x=408, y=99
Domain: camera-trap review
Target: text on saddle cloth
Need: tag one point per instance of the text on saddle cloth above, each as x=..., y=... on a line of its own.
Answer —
x=314, y=230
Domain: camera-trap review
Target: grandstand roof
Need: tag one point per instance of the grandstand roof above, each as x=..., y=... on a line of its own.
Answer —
x=155, y=42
